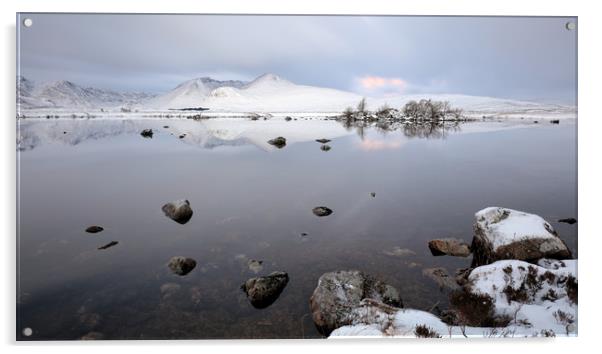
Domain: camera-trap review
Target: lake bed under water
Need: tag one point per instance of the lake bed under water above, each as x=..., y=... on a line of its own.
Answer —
x=253, y=201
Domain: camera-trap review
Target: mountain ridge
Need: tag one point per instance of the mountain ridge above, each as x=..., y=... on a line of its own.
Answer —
x=266, y=93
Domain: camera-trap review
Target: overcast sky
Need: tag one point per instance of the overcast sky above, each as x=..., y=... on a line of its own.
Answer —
x=522, y=58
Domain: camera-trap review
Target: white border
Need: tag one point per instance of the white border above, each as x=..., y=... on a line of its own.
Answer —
x=590, y=177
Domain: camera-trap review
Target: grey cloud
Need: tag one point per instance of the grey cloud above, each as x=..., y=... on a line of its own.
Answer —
x=526, y=58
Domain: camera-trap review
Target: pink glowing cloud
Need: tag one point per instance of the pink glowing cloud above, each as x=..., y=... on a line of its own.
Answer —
x=382, y=83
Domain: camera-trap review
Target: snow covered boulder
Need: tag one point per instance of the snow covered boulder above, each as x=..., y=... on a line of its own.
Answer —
x=534, y=299
x=372, y=318
x=179, y=211
x=502, y=233
x=339, y=293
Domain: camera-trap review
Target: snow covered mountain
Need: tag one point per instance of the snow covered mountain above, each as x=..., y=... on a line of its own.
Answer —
x=66, y=94
x=271, y=93
x=190, y=93
x=267, y=93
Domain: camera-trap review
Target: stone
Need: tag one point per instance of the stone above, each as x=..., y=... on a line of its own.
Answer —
x=181, y=265
x=179, y=211
x=502, y=233
x=450, y=247
x=321, y=211
x=264, y=291
x=338, y=293
x=278, y=142
x=94, y=229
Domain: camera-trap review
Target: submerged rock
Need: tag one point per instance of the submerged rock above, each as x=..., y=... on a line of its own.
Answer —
x=502, y=233
x=181, y=265
x=110, y=244
x=569, y=221
x=323, y=141
x=179, y=211
x=169, y=289
x=338, y=293
x=450, y=247
x=399, y=252
x=325, y=148
x=440, y=276
x=321, y=211
x=147, y=133
x=94, y=229
x=278, y=142
x=255, y=266
x=263, y=291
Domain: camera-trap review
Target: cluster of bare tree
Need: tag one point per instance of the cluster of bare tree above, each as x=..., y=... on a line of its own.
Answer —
x=423, y=110
x=430, y=110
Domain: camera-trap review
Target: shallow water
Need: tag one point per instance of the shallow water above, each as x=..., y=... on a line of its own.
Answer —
x=253, y=201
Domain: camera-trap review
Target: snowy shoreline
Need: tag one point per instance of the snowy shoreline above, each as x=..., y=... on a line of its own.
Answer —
x=527, y=289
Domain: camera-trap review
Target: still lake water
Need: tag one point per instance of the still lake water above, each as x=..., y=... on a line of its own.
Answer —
x=253, y=201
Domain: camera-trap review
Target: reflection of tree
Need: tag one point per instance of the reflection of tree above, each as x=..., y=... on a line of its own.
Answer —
x=422, y=130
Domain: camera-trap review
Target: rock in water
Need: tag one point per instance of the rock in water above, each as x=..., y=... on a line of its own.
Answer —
x=338, y=293
x=288, y=119
x=449, y=246
x=569, y=221
x=323, y=141
x=440, y=276
x=278, y=142
x=502, y=233
x=373, y=194
x=325, y=148
x=147, y=133
x=94, y=229
x=181, y=265
x=110, y=244
x=263, y=291
x=321, y=211
x=179, y=211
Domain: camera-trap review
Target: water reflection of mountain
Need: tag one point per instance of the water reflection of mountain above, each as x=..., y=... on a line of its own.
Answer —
x=205, y=134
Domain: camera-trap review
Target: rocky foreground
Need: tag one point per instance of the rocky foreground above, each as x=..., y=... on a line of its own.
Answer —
x=522, y=283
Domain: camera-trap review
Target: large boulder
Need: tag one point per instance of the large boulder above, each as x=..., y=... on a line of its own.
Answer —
x=502, y=233
x=533, y=298
x=450, y=247
x=263, y=291
x=338, y=293
x=373, y=318
x=179, y=211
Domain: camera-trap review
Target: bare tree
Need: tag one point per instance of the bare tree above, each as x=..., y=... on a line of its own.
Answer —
x=361, y=106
